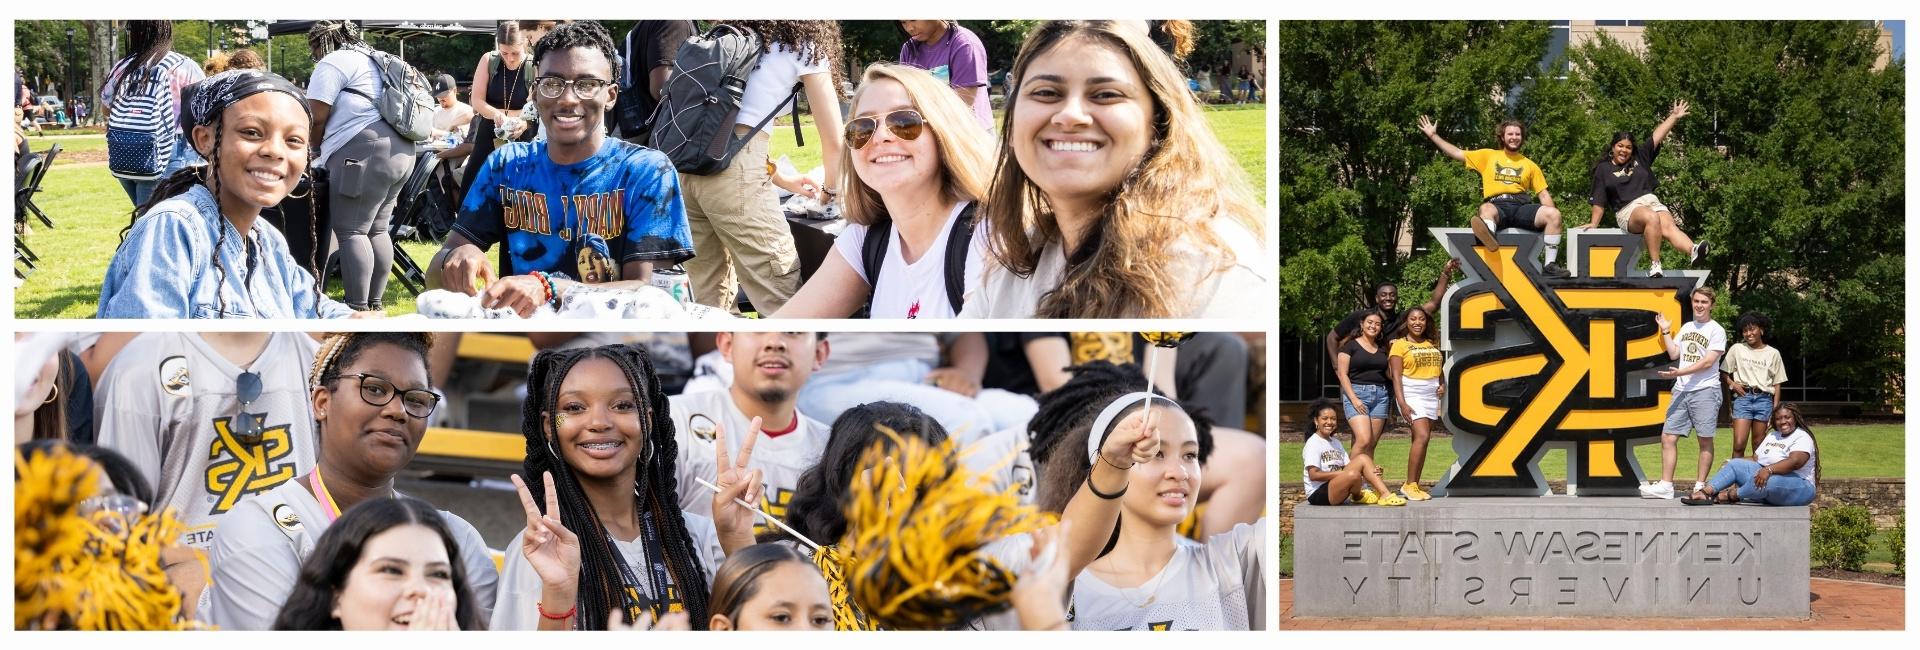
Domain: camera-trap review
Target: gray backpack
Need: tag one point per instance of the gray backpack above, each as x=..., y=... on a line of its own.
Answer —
x=406, y=99
x=693, y=123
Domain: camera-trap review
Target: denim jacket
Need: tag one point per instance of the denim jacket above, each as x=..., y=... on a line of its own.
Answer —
x=166, y=269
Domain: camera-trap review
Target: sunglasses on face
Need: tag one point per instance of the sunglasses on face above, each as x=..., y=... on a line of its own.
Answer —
x=377, y=391
x=551, y=87
x=248, y=427
x=905, y=124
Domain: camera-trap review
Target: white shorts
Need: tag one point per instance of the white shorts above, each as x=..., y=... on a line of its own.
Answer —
x=1423, y=398
x=1621, y=216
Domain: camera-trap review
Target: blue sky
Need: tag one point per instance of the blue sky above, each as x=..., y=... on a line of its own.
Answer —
x=1899, y=29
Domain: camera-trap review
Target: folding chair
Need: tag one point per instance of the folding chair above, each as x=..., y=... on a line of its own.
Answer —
x=24, y=195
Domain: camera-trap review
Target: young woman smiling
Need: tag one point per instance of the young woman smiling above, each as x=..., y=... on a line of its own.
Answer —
x=388, y=564
x=197, y=247
x=1112, y=197
x=371, y=401
x=920, y=163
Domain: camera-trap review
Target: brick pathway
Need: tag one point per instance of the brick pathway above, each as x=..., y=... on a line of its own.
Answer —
x=1837, y=605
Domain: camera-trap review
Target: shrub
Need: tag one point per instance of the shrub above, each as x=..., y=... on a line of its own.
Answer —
x=1897, y=543
x=1842, y=535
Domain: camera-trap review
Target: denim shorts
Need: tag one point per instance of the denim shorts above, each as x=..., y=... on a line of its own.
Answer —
x=1372, y=397
x=1755, y=405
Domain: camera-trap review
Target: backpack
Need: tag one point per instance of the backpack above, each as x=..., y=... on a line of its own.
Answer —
x=141, y=122
x=693, y=124
x=406, y=99
x=873, y=255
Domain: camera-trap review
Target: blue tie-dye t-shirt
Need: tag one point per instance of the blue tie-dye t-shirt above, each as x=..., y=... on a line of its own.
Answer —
x=623, y=203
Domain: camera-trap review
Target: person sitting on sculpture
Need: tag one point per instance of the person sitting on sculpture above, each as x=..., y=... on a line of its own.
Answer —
x=1623, y=183
x=1784, y=472
x=1507, y=177
x=1331, y=476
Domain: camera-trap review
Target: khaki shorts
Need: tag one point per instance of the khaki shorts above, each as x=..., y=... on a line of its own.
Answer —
x=1625, y=213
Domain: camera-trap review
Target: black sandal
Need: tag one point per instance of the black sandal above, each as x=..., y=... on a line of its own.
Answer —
x=1693, y=500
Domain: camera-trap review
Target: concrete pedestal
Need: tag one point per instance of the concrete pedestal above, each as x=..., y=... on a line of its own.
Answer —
x=1550, y=556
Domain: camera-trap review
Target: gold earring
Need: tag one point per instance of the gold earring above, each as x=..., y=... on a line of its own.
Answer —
x=309, y=179
x=55, y=395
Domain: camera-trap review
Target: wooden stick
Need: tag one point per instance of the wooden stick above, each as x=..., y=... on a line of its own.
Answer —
x=770, y=518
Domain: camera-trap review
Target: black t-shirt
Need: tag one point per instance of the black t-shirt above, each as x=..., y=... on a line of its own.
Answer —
x=1009, y=369
x=1365, y=367
x=1616, y=185
x=1394, y=321
x=651, y=44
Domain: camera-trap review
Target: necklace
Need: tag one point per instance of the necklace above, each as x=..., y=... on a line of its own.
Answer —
x=1152, y=589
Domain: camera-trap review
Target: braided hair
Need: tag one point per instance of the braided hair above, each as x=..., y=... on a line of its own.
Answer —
x=1058, y=431
x=341, y=349
x=325, y=36
x=600, y=581
x=147, y=43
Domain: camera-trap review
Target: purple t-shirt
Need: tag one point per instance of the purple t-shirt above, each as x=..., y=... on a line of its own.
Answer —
x=958, y=58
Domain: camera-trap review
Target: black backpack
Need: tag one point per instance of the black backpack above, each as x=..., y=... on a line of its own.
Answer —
x=873, y=255
x=693, y=124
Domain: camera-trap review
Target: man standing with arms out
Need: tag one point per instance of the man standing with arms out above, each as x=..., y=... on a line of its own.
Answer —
x=1506, y=178
x=954, y=55
x=768, y=370
x=1386, y=299
x=573, y=205
x=1696, y=391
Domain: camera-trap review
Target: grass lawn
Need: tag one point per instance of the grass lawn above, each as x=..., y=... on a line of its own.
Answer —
x=69, y=143
x=1846, y=451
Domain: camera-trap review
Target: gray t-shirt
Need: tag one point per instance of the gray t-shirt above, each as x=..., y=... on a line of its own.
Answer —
x=514, y=607
x=262, y=542
x=332, y=76
x=166, y=403
x=1213, y=586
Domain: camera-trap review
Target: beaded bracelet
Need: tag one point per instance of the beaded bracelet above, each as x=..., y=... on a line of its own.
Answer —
x=543, y=612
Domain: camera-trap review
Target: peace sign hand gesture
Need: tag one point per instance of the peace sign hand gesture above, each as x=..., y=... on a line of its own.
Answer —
x=552, y=550
x=730, y=519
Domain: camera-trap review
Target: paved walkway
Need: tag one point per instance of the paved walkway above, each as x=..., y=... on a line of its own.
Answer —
x=1837, y=605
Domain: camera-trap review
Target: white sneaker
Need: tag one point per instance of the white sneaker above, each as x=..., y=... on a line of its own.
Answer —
x=1660, y=490
x=1699, y=487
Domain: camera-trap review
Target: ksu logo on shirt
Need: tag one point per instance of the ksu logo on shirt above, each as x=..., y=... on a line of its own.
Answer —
x=1505, y=174
x=236, y=469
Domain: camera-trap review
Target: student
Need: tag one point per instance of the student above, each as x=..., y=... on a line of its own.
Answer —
x=502, y=83
x=1362, y=369
x=1754, y=372
x=955, y=57
x=1507, y=178
x=1414, y=363
x=919, y=169
x=770, y=587
x=1785, y=470
x=387, y=564
x=737, y=225
x=1113, y=198
x=574, y=207
x=768, y=370
x=1331, y=476
x=1386, y=299
x=366, y=160
x=612, y=537
x=1697, y=347
x=1623, y=182
x=141, y=90
x=197, y=247
x=452, y=117
x=371, y=400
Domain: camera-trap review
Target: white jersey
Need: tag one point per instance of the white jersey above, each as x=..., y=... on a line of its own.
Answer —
x=261, y=543
x=1213, y=586
x=166, y=402
x=1005, y=458
x=780, y=459
x=519, y=591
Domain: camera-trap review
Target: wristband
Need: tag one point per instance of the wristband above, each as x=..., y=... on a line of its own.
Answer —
x=1104, y=496
x=543, y=612
x=1097, y=436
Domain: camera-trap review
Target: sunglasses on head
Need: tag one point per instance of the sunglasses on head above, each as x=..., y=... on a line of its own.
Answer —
x=905, y=124
x=248, y=427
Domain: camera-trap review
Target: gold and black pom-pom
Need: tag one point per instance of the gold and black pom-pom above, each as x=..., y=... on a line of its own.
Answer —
x=71, y=572
x=916, y=528
x=1166, y=339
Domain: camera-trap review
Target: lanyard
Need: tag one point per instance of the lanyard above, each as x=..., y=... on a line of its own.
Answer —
x=649, y=539
x=327, y=504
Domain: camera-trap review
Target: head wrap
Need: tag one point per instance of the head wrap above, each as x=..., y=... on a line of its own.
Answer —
x=204, y=100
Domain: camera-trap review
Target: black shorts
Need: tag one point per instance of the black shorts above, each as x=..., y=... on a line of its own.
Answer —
x=1319, y=496
x=1515, y=214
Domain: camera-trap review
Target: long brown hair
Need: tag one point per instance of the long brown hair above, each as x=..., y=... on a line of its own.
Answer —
x=965, y=151
x=813, y=40
x=1185, y=180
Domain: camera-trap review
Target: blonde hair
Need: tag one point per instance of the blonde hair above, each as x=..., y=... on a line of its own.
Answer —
x=215, y=64
x=966, y=151
x=1185, y=180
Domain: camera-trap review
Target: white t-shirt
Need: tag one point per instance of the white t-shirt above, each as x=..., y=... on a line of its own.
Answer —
x=1696, y=340
x=854, y=351
x=1242, y=291
x=772, y=80
x=520, y=587
x=453, y=118
x=1219, y=585
x=781, y=460
x=1325, y=454
x=1004, y=457
x=256, y=557
x=166, y=401
x=917, y=289
x=344, y=68
x=1776, y=448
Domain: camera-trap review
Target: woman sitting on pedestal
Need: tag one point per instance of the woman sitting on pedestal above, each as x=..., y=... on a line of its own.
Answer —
x=1785, y=471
